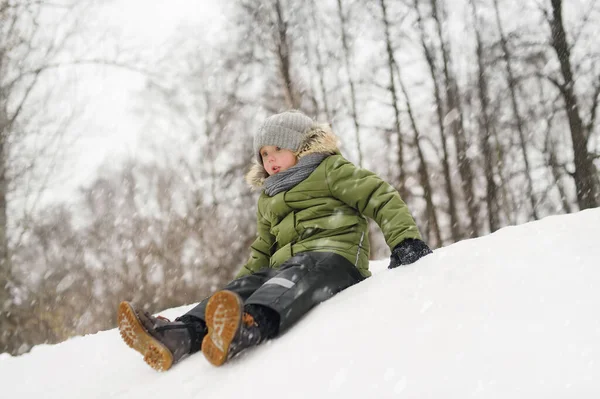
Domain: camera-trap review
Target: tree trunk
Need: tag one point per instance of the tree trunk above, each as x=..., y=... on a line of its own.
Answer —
x=557, y=174
x=432, y=218
x=395, y=103
x=5, y=264
x=550, y=148
x=354, y=112
x=284, y=59
x=491, y=197
x=512, y=86
x=588, y=192
x=455, y=225
x=456, y=124
x=320, y=65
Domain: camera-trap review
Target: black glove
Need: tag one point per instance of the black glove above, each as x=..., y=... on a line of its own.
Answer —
x=407, y=252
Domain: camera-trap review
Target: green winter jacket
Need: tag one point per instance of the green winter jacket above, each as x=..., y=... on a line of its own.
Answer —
x=326, y=212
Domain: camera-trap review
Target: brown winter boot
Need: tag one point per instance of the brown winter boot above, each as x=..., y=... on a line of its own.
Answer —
x=230, y=329
x=161, y=341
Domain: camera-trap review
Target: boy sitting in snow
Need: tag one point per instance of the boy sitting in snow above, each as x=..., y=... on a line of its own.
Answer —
x=312, y=243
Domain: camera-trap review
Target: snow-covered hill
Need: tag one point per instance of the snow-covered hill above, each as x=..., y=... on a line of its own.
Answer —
x=512, y=315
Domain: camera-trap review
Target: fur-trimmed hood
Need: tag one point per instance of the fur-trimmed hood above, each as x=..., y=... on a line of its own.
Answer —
x=320, y=139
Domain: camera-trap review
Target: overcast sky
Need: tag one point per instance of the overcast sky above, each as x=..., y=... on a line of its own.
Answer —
x=110, y=129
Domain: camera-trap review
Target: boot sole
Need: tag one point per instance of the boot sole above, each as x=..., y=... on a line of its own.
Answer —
x=223, y=318
x=136, y=337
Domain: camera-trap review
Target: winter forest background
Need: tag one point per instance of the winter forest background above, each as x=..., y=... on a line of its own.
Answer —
x=483, y=113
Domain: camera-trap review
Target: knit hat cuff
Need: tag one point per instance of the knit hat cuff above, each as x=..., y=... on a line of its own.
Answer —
x=280, y=136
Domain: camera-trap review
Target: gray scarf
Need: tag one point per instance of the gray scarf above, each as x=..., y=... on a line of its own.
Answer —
x=287, y=179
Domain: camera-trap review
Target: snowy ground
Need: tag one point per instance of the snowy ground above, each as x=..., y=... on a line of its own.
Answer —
x=512, y=315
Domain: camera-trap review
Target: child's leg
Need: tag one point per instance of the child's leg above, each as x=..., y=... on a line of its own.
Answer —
x=161, y=342
x=164, y=343
x=244, y=286
x=302, y=282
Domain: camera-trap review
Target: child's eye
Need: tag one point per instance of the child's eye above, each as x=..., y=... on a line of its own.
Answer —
x=277, y=148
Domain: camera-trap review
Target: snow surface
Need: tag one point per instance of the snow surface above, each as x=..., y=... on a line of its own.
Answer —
x=515, y=314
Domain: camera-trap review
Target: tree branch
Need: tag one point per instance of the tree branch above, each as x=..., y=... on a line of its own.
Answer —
x=28, y=91
x=560, y=86
x=97, y=62
x=587, y=14
x=594, y=108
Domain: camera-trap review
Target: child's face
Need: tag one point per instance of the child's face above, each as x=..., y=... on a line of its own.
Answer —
x=277, y=159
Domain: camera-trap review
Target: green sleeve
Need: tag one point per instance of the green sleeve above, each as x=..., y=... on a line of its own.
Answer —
x=371, y=196
x=260, y=250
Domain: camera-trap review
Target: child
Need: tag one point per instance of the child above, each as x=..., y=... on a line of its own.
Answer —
x=311, y=244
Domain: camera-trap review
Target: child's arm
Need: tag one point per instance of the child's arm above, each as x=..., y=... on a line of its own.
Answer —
x=373, y=197
x=260, y=250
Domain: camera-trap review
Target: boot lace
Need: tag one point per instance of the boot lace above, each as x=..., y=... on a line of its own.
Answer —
x=248, y=320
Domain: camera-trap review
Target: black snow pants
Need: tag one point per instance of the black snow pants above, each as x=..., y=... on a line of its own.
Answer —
x=301, y=282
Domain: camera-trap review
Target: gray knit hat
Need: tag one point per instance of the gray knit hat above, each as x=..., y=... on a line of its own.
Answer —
x=285, y=130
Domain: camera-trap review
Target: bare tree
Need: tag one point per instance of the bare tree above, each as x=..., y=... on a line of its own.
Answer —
x=351, y=85
x=394, y=74
x=428, y=51
x=520, y=123
x=39, y=40
x=392, y=66
x=269, y=33
x=435, y=237
x=455, y=117
x=27, y=52
x=316, y=36
x=485, y=122
x=585, y=174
